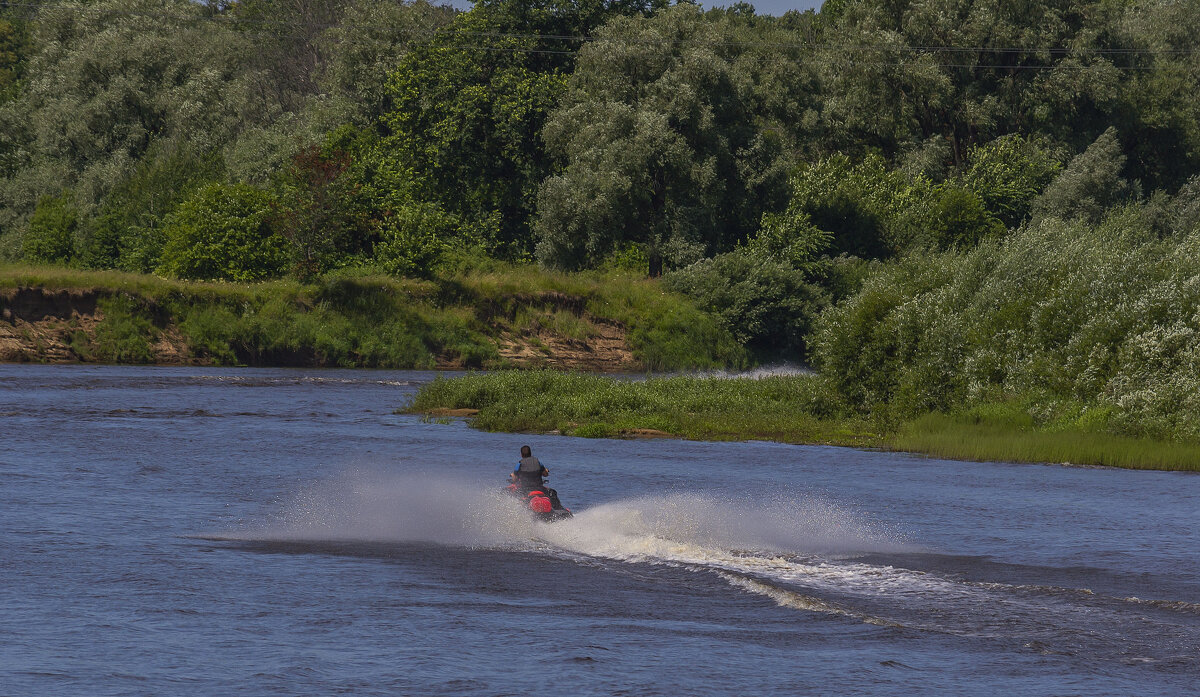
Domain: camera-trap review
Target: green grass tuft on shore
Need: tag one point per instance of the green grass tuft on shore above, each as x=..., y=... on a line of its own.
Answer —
x=959, y=438
x=791, y=409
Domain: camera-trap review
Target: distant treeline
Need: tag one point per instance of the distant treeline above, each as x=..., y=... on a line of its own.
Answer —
x=822, y=169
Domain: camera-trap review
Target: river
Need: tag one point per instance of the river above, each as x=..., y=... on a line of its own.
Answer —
x=207, y=531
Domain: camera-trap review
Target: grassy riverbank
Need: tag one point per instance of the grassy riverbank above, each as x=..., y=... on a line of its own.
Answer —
x=790, y=409
x=504, y=315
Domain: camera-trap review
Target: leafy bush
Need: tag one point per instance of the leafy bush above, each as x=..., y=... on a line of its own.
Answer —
x=767, y=304
x=51, y=234
x=957, y=217
x=1008, y=174
x=317, y=215
x=124, y=332
x=414, y=238
x=1061, y=314
x=107, y=79
x=1090, y=184
x=224, y=232
x=211, y=331
x=126, y=232
x=874, y=212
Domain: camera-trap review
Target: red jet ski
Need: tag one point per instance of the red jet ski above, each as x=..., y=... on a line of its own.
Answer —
x=541, y=502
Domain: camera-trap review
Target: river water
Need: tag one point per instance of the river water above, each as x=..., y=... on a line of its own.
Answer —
x=201, y=531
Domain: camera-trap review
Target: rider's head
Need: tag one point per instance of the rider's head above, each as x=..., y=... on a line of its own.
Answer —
x=525, y=451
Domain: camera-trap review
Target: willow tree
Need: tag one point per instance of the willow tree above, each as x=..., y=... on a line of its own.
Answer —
x=468, y=106
x=672, y=137
x=104, y=81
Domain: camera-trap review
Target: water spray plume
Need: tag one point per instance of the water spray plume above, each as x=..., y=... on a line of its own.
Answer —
x=363, y=506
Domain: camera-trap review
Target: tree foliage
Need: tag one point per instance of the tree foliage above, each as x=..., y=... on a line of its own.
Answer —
x=126, y=231
x=51, y=236
x=1071, y=315
x=104, y=81
x=1090, y=184
x=468, y=106
x=667, y=134
x=224, y=232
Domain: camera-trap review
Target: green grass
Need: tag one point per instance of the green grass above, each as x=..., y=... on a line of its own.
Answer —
x=354, y=319
x=790, y=409
x=959, y=438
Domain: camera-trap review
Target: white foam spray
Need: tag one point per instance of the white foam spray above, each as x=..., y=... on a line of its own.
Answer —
x=371, y=506
x=785, y=539
x=764, y=371
x=797, y=551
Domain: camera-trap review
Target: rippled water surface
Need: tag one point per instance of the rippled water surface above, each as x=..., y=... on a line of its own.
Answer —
x=262, y=532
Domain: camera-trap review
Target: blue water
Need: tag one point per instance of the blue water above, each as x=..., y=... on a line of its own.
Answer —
x=200, y=531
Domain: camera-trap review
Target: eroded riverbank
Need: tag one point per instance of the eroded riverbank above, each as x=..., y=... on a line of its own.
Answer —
x=514, y=316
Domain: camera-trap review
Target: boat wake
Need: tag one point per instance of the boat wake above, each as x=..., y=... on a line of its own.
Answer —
x=801, y=552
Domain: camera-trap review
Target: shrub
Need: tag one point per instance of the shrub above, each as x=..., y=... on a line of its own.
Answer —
x=51, y=234
x=126, y=232
x=1008, y=173
x=1072, y=317
x=1090, y=184
x=766, y=303
x=124, y=334
x=317, y=215
x=956, y=217
x=414, y=238
x=875, y=212
x=224, y=232
x=211, y=331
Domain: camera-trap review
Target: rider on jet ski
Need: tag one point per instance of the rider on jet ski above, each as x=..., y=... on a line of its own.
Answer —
x=527, y=485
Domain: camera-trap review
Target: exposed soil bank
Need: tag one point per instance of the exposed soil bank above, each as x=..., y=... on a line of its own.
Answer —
x=500, y=316
x=45, y=325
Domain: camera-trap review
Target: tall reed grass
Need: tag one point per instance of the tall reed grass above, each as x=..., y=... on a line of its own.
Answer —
x=947, y=436
x=790, y=409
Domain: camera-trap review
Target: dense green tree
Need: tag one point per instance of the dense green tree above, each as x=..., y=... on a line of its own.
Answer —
x=14, y=53
x=126, y=231
x=368, y=43
x=106, y=79
x=317, y=216
x=1089, y=185
x=414, y=238
x=1184, y=214
x=898, y=72
x=766, y=291
x=288, y=47
x=766, y=303
x=51, y=237
x=874, y=211
x=224, y=232
x=669, y=140
x=468, y=106
x=340, y=80
x=1008, y=174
